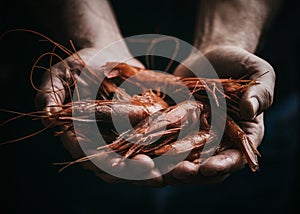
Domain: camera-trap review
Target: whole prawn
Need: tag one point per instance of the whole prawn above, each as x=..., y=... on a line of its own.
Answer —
x=158, y=129
x=136, y=109
x=154, y=117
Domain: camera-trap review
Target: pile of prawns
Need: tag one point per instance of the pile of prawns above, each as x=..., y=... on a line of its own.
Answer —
x=160, y=126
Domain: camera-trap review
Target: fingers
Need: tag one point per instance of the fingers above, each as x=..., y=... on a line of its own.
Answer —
x=187, y=173
x=56, y=84
x=141, y=163
x=214, y=170
x=259, y=97
x=103, y=164
x=51, y=91
x=185, y=170
x=155, y=180
x=235, y=62
x=51, y=94
x=223, y=163
x=254, y=129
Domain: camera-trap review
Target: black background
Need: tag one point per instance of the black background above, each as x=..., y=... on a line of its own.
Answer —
x=32, y=184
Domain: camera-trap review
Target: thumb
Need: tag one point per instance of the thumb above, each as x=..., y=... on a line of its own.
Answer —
x=50, y=96
x=258, y=97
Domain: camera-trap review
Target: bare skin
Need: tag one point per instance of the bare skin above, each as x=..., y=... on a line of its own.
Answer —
x=227, y=32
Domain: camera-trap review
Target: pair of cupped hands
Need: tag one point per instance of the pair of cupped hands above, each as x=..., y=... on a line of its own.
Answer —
x=228, y=61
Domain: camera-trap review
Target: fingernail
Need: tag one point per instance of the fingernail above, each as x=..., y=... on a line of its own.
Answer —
x=52, y=110
x=255, y=106
x=249, y=109
x=48, y=111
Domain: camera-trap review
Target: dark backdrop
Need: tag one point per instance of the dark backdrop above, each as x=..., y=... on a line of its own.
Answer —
x=32, y=184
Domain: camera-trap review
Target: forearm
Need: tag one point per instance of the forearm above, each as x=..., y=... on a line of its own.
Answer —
x=232, y=22
x=88, y=23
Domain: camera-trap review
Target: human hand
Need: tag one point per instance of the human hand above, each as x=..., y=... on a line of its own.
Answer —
x=234, y=62
x=53, y=93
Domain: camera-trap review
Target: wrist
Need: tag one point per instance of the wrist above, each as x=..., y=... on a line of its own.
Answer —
x=109, y=52
x=115, y=45
x=206, y=48
x=213, y=45
x=234, y=23
x=94, y=39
